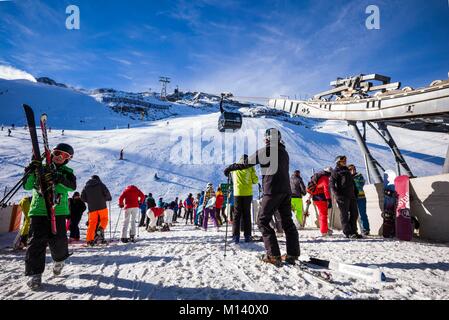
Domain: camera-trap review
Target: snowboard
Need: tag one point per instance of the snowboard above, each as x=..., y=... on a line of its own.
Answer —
x=389, y=210
x=404, y=230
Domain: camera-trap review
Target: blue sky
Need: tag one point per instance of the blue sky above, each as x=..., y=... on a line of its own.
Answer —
x=251, y=48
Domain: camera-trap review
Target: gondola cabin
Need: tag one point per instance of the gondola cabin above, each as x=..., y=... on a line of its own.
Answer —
x=230, y=121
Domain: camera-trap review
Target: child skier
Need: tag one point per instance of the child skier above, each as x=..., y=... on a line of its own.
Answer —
x=77, y=207
x=64, y=181
x=25, y=230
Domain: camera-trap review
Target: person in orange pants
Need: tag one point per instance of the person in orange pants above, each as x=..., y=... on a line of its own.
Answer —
x=319, y=188
x=101, y=216
x=96, y=194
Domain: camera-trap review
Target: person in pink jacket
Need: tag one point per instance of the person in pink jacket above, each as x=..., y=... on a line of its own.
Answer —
x=130, y=199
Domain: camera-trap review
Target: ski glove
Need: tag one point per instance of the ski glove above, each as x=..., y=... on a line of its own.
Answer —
x=329, y=203
x=34, y=164
x=227, y=172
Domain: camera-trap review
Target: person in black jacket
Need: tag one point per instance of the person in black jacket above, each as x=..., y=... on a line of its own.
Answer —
x=96, y=194
x=298, y=191
x=274, y=162
x=76, y=207
x=343, y=187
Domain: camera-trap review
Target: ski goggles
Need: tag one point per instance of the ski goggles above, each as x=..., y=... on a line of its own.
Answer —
x=61, y=154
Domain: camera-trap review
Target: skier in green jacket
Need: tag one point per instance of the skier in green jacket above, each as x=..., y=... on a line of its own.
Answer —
x=64, y=181
x=243, y=181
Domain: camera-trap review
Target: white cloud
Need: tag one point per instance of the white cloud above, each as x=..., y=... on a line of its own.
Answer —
x=11, y=73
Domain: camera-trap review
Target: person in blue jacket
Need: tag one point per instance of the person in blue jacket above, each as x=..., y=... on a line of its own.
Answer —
x=143, y=210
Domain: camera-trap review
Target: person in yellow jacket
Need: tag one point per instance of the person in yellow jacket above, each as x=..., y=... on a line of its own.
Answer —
x=25, y=230
x=243, y=181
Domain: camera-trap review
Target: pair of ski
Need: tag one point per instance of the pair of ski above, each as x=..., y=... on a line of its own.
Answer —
x=47, y=189
x=322, y=270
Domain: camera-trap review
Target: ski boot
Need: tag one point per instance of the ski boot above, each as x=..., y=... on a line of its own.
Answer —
x=57, y=268
x=35, y=282
x=124, y=240
x=236, y=240
x=274, y=260
x=248, y=239
x=289, y=259
x=354, y=236
x=132, y=239
x=89, y=244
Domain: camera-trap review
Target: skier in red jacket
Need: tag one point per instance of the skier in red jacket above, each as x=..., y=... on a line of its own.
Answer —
x=322, y=199
x=130, y=199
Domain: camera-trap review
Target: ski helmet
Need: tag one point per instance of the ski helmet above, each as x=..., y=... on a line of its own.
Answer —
x=328, y=169
x=64, y=147
x=271, y=134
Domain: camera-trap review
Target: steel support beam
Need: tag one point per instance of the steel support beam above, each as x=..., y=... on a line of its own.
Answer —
x=388, y=138
x=371, y=162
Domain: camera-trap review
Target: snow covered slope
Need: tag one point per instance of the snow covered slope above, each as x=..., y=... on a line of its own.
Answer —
x=67, y=108
x=187, y=165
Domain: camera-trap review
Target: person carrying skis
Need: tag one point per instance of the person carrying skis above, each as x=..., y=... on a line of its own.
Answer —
x=143, y=211
x=130, y=199
x=343, y=187
x=76, y=207
x=188, y=207
x=318, y=188
x=298, y=191
x=243, y=181
x=96, y=194
x=25, y=230
x=209, y=209
x=359, y=181
x=64, y=181
x=274, y=162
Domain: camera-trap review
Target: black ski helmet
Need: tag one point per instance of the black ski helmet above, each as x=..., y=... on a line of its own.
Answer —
x=65, y=148
x=272, y=133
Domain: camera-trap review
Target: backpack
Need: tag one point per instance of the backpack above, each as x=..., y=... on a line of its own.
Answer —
x=189, y=202
x=313, y=183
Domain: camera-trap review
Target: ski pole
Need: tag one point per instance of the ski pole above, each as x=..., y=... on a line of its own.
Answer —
x=14, y=189
x=228, y=207
x=116, y=224
x=110, y=222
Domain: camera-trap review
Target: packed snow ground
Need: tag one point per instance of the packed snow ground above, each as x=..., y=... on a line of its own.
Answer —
x=186, y=263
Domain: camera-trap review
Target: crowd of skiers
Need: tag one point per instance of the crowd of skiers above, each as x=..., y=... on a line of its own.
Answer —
x=281, y=204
